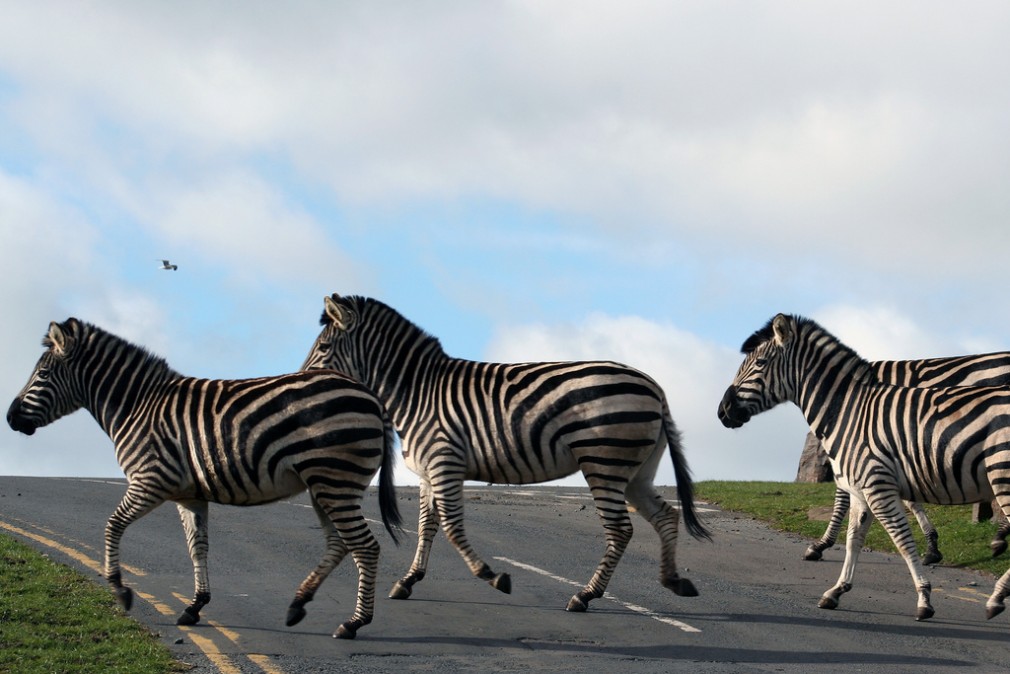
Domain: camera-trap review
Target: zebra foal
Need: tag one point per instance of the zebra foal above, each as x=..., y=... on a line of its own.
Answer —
x=990, y=369
x=886, y=443
x=237, y=442
x=513, y=424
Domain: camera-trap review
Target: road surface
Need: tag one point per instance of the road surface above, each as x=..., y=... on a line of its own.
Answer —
x=757, y=610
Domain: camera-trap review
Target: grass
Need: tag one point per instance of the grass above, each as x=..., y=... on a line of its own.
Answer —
x=786, y=505
x=55, y=620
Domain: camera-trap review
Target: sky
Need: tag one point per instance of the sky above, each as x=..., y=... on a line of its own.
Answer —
x=647, y=182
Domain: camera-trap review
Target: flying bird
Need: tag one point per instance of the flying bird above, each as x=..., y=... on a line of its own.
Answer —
x=165, y=264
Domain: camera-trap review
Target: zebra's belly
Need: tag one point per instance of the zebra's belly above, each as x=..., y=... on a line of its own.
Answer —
x=285, y=485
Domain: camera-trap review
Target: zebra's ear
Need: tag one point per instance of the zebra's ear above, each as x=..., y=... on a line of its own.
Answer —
x=340, y=316
x=57, y=339
x=783, y=329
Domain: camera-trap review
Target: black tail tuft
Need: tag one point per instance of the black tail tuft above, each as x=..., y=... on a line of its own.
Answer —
x=387, y=491
x=685, y=487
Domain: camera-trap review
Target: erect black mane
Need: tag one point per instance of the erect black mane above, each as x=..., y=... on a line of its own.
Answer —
x=803, y=325
x=373, y=310
x=758, y=338
x=87, y=334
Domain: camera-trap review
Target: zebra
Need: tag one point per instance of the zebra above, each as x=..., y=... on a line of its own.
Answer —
x=513, y=424
x=885, y=442
x=990, y=369
x=238, y=442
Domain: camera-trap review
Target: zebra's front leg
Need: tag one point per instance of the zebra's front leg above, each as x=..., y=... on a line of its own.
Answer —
x=613, y=512
x=838, y=513
x=194, y=524
x=859, y=524
x=427, y=527
x=889, y=510
x=136, y=503
x=994, y=606
x=448, y=500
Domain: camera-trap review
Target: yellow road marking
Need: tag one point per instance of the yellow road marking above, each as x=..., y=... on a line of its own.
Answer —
x=220, y=660
x=70, y=552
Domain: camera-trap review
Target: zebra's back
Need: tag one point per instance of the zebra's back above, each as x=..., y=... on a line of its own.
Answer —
x=533, y=422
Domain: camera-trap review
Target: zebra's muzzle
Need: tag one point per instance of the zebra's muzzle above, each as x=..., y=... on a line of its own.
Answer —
x=731, y=413
x=18, y=421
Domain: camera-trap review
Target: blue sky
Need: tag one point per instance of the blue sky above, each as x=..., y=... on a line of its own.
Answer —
x=643, y=181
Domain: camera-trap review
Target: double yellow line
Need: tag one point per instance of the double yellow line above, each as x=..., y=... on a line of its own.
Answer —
x=224, y=663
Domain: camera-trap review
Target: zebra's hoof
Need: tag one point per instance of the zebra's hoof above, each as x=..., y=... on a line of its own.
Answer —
x=998, y=547
x=125, y=597
x=188, y=617
x=576, y=605
x=400, y=590
x=682, y=587
x=993, y=611
x=295, y=615
x=827, y=602
x=932, y=557
x=924, y=613
x=502, y=582
x=812, y=554
x=346, y=631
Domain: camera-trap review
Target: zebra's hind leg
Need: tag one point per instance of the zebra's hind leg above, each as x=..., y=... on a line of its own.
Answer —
x=427, y=527
x=838, y=512
x=665, y=519
x=994, y=606
x=613, y=512
x=335, y=552
x=998, y=544
x=859, y=524
x=194, y=524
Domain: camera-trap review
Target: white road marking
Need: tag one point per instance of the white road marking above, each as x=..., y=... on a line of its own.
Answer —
x=631, y=607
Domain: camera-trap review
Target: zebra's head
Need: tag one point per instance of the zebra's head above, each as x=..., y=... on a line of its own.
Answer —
x=763, y=380
x=334, y=348
x=50, y=392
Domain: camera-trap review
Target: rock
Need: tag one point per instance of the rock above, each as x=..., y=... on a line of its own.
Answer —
x=814, y=465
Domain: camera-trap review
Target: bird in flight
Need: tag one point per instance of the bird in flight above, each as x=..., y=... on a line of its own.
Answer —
x=165, y=264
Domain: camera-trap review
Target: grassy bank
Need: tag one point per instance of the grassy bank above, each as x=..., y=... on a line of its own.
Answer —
x=54, y=620
x=787, y=506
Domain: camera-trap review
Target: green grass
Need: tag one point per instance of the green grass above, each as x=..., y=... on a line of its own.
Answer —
x=785, y=506
x=55, y=620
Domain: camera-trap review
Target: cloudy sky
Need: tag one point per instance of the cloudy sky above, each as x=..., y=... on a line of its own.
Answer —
x=641, y=181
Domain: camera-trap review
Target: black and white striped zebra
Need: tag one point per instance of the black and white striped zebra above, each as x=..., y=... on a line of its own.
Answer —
x=238, y=442
x=989, y=369
x=886, y=443
x=513, y=424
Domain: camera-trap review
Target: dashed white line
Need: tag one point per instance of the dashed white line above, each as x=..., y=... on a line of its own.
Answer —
x=631, y=607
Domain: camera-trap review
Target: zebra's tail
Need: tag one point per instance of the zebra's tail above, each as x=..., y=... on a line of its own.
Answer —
x=387, y=492
x=681, y=471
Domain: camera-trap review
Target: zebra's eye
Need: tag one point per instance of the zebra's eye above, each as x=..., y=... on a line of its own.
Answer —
x=760, y=363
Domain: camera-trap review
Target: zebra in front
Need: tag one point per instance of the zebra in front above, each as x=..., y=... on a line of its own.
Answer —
x=237, y=442
x=513, y=424
x=886, y=443
x=990, y=369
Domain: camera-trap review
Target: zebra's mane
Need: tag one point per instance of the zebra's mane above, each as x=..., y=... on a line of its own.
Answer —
x=807, y=326
x=84, y=332
x=380, y=312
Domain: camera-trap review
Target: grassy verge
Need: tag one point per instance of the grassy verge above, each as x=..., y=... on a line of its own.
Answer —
x=786, y=506
x=54, y=620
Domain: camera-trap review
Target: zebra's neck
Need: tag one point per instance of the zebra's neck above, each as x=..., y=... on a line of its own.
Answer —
x=117, y=378
x=407, y=382
x=828, y=374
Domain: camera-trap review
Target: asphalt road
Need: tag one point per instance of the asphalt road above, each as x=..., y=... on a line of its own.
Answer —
x=756, y=613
